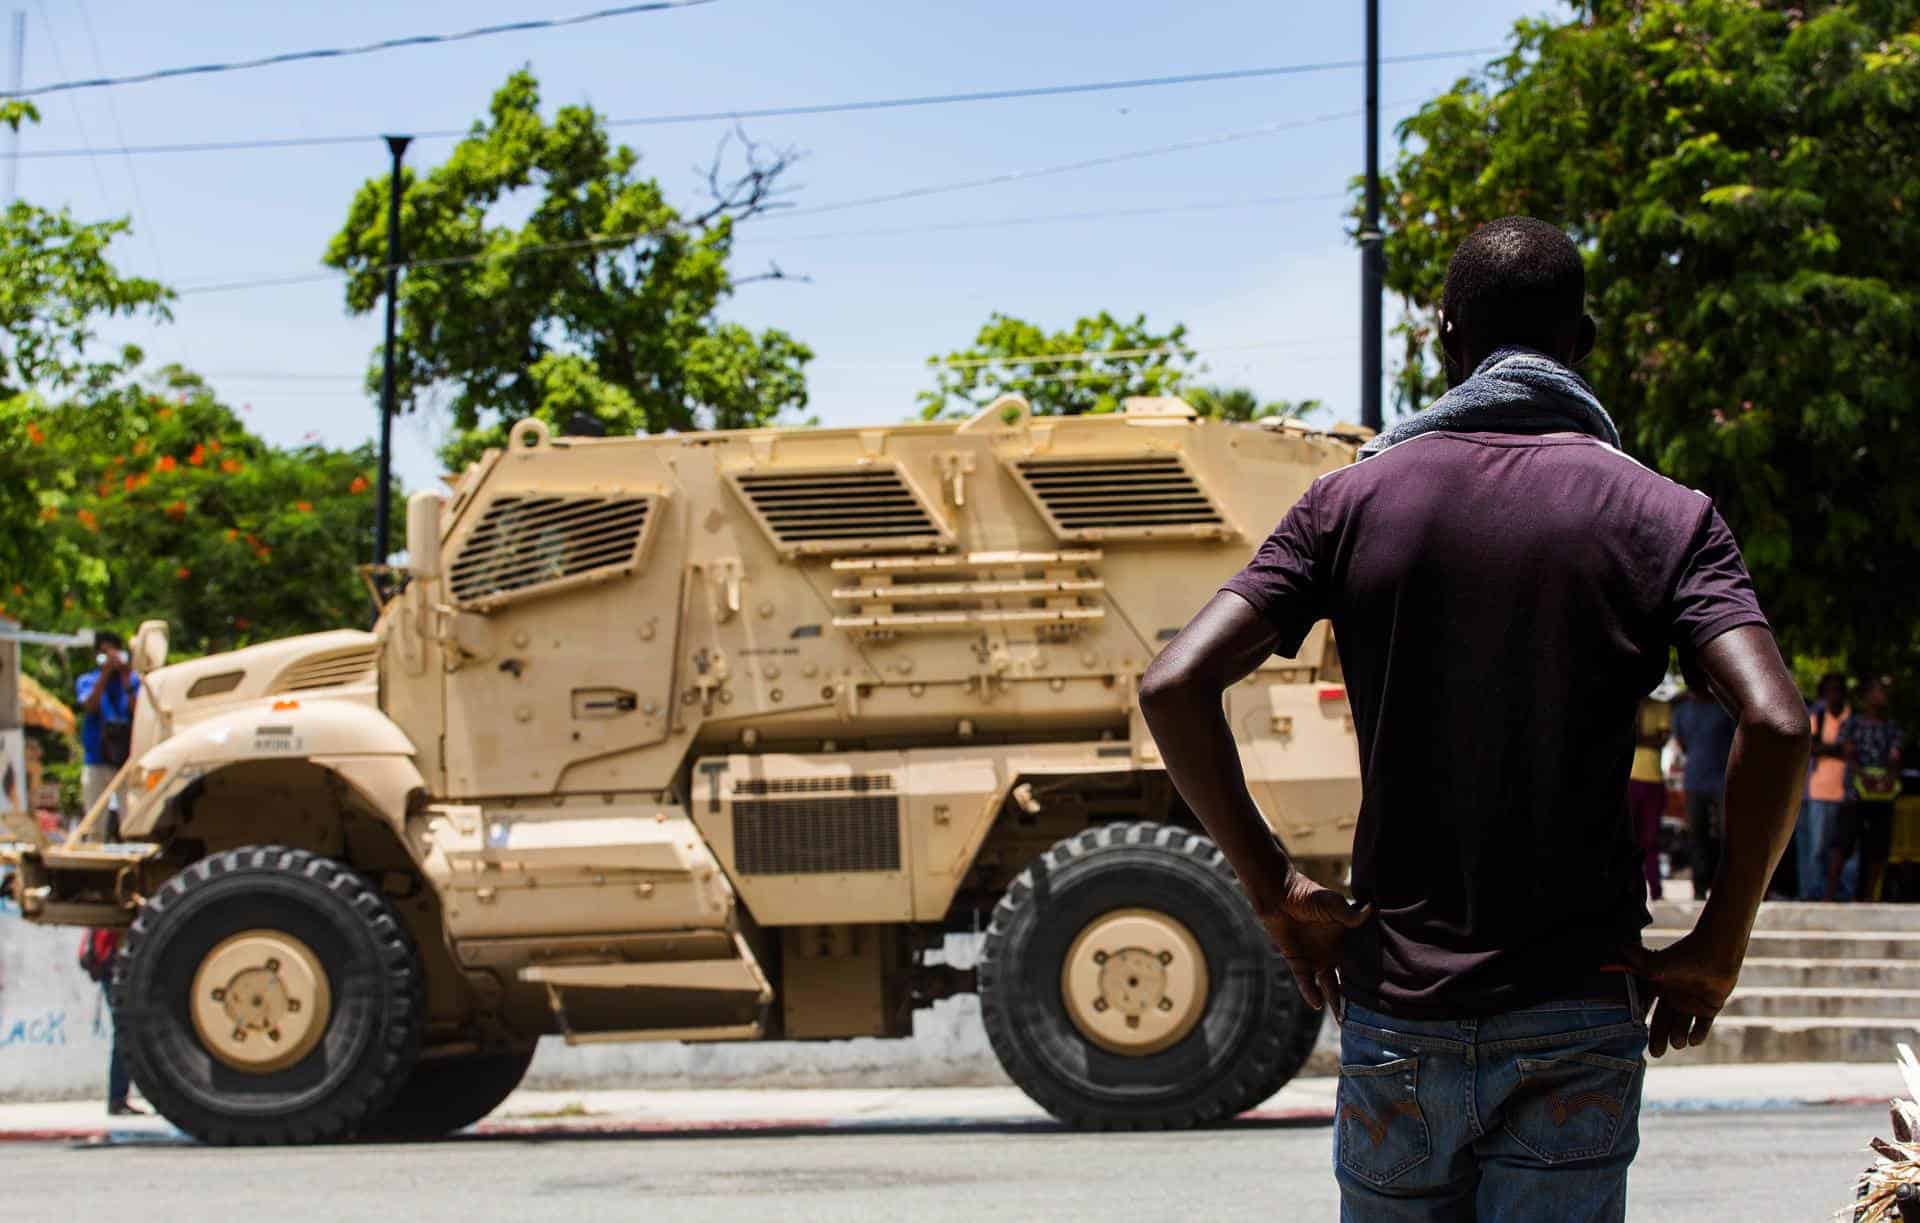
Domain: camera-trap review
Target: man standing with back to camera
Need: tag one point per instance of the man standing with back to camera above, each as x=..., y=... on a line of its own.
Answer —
x=1505, y=586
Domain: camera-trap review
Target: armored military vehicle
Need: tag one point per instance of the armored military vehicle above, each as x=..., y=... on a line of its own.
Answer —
x=717, y=737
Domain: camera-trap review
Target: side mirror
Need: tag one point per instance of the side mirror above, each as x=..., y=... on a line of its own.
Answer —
x=149, y=649
x=423, y=534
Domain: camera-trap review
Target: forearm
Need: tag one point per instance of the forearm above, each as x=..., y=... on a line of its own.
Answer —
x=1196, y=744
x=1766, y=771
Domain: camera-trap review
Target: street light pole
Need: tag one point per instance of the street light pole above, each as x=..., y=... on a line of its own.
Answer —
x=397, y=145
x=1372, y=258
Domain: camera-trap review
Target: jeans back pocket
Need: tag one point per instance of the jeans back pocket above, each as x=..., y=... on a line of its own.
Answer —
x=1573, y=1106
x=1380, y=1131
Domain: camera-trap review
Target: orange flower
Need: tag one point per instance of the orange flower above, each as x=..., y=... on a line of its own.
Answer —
x=198, y=456
x=183, y=573
x=67, y=602
x=265, y=555
x=359, y=485
x=141, y=446
x=163, y=413
x=34, y=435
x=177, y=510
x=87, y=520
x=130, y=483
x=232, y=534
x=213, y=447
x=253, y=541
x=305, y=507
x=48, y=513
x=230, y=466
x=167, y=463
x=118, y=460
x=19, y=589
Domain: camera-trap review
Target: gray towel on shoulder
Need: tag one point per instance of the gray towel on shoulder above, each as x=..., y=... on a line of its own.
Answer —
x=1516, y=390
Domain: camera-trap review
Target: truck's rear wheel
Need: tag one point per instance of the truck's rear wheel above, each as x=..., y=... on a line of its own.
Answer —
x=268, y=996
x=449, y=1093
x=1126, y=985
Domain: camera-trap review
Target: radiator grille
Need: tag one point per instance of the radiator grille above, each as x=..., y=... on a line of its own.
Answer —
x=524, y=542
x=847, y=510
x=813, y=836
x=335, y=667
x=1109, y=498
x=858, y=783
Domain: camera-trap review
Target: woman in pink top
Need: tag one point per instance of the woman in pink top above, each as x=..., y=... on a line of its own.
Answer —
x=1826, y=787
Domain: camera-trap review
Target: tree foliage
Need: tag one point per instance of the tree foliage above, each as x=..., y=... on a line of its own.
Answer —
x=1744, y=181
x=1088, y=367
x=162, y=504
x=600, y=302
x=1239, y=403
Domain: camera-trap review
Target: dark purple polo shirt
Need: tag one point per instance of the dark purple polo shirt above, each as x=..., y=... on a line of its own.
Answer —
x=1501, y=604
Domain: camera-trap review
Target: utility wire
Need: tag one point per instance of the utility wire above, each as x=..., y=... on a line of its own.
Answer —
x=389, y=44
x=80, y=125
x=768, y=112
x=133, y=179
x=888, y=197
x=1046, y=218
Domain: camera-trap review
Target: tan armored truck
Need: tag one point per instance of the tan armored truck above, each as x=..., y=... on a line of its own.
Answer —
x=717, y=737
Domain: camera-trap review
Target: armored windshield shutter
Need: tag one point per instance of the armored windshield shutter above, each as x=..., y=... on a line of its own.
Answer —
x=824, y=511
x=527, y=544
x=1122, y=497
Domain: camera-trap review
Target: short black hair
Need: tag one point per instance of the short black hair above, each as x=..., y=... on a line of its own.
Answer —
x=1515, y=281
x=107, y=636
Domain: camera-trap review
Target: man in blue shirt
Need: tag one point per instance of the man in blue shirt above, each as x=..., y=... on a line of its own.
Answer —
x=107, y=695
x=1705, y=734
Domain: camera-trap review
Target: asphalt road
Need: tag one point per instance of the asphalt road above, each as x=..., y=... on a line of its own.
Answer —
x=1787, y=1165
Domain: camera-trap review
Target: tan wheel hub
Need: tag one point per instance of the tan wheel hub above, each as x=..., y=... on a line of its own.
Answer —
x=1134, y=982
x=260, y=1001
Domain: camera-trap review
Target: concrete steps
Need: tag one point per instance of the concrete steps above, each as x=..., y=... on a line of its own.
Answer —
x=1822, y=983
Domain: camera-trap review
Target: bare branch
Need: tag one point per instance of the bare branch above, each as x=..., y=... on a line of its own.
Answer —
x=774, y=272
x=753, y=189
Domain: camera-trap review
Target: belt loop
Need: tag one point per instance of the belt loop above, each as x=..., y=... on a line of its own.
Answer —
x=1633, y=995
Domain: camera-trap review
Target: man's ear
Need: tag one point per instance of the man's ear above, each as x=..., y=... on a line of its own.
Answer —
x=1452, y=341
x=1584, y=341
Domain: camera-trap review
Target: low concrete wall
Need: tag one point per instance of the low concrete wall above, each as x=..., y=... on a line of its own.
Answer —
x=54, y=1039
x=54, y=1032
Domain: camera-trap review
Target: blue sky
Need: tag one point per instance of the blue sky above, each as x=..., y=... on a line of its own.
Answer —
x=1268, y=291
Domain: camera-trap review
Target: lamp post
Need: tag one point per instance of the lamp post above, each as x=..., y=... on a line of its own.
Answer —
x=1372, y=259
x=397, y=145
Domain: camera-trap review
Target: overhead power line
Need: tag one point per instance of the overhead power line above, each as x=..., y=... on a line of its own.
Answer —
x=768, y=112
x=388, y=44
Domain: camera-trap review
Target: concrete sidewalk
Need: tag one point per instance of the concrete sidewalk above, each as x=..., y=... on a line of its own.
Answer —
x=1305, y=1100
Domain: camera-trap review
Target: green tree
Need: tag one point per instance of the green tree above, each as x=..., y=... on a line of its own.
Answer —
x=172, y=509
x=1089, y=367
x=1744, y=181
x=56, y=284
x=1239, y=403
x=601, y=302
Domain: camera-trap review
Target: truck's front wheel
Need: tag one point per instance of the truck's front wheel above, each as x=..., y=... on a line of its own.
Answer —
x=268, y=996
x=1126, y=985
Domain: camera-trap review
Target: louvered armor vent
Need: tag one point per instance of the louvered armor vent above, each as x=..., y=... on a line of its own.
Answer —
x=331, y=669
x=1121, y=498
x=818, y=833
x=527, y=543
x=846, y=510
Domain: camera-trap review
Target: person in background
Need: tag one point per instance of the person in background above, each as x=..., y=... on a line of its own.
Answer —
x=1646, y=791
x=98, y=947
x=107, y=695
x=1871, y=743
x=1705, y=733
x=1826, y=787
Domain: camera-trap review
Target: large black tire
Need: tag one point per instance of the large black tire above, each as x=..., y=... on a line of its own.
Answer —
x=1303, y=1036
x=372, y=1032
x=447, y=1094
x=1244, y=1038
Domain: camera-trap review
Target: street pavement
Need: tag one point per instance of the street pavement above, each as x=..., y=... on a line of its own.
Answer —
x=1772, y=1164
x=1751, y=1142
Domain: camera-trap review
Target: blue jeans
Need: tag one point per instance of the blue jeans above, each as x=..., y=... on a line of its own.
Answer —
x=1811, y=840
x=1531, y=1114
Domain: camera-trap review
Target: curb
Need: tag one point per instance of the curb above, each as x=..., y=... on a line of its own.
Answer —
x=557, y=1129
